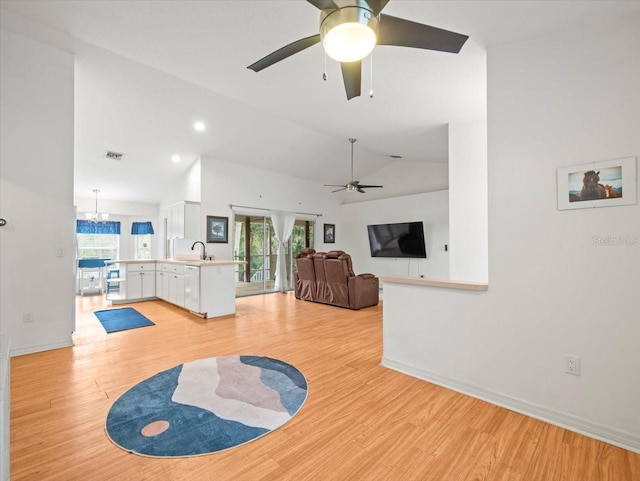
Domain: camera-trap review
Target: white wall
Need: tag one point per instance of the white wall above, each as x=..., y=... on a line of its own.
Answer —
x=126, y=213
x=553, y=102
x=225, y=183
x=468, y=201
x=116, y=207
x=37, y=246
x=401, y=178
x=430, y=208
x=186, y=188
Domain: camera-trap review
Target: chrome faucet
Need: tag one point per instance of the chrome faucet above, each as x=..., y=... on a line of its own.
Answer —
x=204, y=254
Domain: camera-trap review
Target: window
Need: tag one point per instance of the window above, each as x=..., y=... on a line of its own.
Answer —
x=98, y=246
x=255, y=243
x=302, y=235
x=142, y=246
x=141, y=233
x=99, y=240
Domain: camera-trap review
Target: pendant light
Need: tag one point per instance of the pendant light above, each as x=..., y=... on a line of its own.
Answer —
x=95, y=216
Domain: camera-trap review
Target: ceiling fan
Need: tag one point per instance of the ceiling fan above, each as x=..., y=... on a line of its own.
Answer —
x=353, y=185
x=350, y=29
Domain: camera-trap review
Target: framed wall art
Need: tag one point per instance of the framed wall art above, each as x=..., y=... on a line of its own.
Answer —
x=217, y=229
x=329, y=233
x=597, y=184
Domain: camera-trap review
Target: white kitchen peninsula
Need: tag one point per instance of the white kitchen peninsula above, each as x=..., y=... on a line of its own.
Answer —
x=206, y=288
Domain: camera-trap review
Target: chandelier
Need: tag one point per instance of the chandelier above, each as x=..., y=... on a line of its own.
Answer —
x=95, y=216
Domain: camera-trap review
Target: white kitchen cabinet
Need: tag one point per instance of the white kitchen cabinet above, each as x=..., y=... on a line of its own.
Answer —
x=210, y=290
x=141, y=280
x=176, y=290
x=174, y=274
x=183, y=220
x=162, y=282
x=206, y=288
x=159, y=281
x=165, y=286
x=159, y=277
x=192, y=288
x=175, y=221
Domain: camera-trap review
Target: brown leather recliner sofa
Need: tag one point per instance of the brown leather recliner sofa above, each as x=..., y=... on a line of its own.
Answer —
x=328, y=278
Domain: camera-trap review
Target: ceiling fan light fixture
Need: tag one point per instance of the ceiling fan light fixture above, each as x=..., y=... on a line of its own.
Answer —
x=349, y=42
x=349, y=33
x=353, y=185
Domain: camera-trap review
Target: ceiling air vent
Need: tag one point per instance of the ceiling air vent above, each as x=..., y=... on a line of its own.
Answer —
x=110, y=154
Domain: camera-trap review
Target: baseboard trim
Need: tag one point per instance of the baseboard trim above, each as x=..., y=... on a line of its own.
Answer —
x=20, y=351
x=597, y=431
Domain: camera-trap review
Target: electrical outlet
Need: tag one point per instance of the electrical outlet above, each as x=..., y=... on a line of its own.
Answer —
x=27, y=317
x=572, y=365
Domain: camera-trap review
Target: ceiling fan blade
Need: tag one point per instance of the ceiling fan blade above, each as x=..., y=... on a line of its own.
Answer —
x=371, y=186
x=333, y=185
x=405, y=33
x=323, y=4
x=338, y=190
x=377, y=5
x=361, y=191
x=284, y=52
x=352, y=74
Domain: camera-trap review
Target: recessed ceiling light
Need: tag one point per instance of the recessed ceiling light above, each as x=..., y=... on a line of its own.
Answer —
x=176, y=158
x=199, y=126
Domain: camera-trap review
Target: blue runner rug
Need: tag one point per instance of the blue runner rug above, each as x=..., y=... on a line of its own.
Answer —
x=114, y=320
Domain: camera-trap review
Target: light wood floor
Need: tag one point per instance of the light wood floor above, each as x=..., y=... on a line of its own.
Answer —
x=251, y=288
x=360, y=422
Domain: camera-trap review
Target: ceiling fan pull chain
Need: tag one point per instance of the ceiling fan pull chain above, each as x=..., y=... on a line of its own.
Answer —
x=324, y=74
x=371, y=74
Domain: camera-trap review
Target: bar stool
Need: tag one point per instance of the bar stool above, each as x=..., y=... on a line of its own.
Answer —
x=112, y=274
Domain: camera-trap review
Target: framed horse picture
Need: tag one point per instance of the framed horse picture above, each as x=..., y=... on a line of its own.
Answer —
x=597, y=184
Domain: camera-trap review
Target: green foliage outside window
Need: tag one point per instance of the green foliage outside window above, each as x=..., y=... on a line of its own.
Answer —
x=98, y=246
x=262, y=256
x=143, y=246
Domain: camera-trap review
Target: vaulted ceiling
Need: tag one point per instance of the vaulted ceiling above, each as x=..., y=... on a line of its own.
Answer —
x=146, y=70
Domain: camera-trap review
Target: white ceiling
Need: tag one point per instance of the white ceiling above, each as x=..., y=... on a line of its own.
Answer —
x=146, y=70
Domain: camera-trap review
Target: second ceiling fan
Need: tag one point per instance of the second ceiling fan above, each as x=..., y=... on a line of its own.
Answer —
x=353, y=185
x=349, y=29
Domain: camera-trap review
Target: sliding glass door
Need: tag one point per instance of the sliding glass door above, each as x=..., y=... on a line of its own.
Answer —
x=251, y=245
x=255, y=244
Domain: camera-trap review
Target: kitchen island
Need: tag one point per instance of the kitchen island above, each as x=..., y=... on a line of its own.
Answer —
x=204, y=287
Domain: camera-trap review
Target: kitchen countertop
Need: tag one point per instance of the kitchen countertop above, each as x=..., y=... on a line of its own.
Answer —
x=446, y=283
x=184, y=262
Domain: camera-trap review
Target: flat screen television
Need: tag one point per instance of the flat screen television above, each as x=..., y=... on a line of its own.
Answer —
x=404, y=239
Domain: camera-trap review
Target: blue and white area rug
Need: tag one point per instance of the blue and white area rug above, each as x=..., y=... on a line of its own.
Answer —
x=206, y=406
